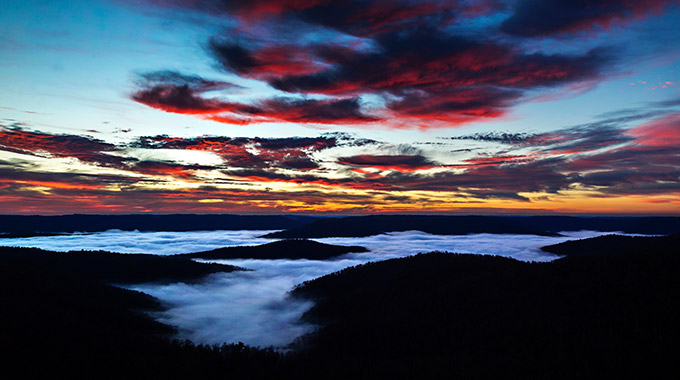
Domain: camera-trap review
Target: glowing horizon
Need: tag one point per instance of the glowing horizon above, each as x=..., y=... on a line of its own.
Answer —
x=336, y=107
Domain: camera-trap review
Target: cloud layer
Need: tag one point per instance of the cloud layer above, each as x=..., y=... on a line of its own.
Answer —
x=405, y=63
x=632, y=155
x=380, y=68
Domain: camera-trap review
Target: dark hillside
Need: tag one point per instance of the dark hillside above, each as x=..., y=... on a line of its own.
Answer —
x=468, y=316
x=616, y=246
x=647, y=225
x=436, y=315
x=109, y=267
x=60, y=319
x=282, y=249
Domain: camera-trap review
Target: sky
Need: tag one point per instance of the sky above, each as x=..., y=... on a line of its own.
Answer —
x=340, y=107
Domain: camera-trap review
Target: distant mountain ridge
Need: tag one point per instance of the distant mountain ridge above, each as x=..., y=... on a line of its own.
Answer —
x=282, y=249
x=301, y=226
x=360, y=226
x=18, y=225
x=616, y=246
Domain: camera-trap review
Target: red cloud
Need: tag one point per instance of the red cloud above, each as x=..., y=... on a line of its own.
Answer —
x=286, y=153
x=267, y=61
x=549, y=17
x=156, y=168
x=499, y=160
x=428, y=60
x=407, y=54
x=360, y=18
x=181, y=99
x=186, y=97
x=664, y=132
x=85, y=149
x=54, y=184
x=402, y=163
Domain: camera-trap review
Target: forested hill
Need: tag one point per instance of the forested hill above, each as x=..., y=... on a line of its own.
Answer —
x=61, y=318
x=442, y=315
x=108, y=267
x=282, y=249
x=460, y=224
x=436, y=315
x=617, y=246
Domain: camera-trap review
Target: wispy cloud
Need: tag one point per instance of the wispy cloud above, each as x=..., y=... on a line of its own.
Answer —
x=554, y=17
x=326, y=57
x=612, y=157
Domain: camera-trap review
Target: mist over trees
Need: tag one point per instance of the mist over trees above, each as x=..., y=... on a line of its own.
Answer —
x=448, y=315
x=436, y=315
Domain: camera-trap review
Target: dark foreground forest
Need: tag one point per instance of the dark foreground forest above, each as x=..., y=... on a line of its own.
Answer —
x=60, y=315
x=440, y=314
x=427, y=316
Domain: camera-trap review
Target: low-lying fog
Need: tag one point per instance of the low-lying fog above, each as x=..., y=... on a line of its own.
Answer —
x=157, y=243
x=253, y=307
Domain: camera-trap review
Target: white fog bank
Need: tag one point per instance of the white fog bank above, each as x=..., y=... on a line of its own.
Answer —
x=254, y=307
x=157, y=243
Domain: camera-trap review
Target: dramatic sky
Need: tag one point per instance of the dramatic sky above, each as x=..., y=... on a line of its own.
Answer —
x=328, y=106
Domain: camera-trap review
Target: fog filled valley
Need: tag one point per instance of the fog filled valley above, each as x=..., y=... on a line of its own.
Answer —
x=254, y=307
x=246, y=303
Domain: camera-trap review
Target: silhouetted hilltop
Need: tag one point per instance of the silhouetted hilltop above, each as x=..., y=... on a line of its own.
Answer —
x=442, y=315
x=282, y=249
x=27, y=225
x=109, y=267
x=12, y=235
x=647, y=225
x=59, y=317
x=314, y=227
x=357, y=226
x=616, y=246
